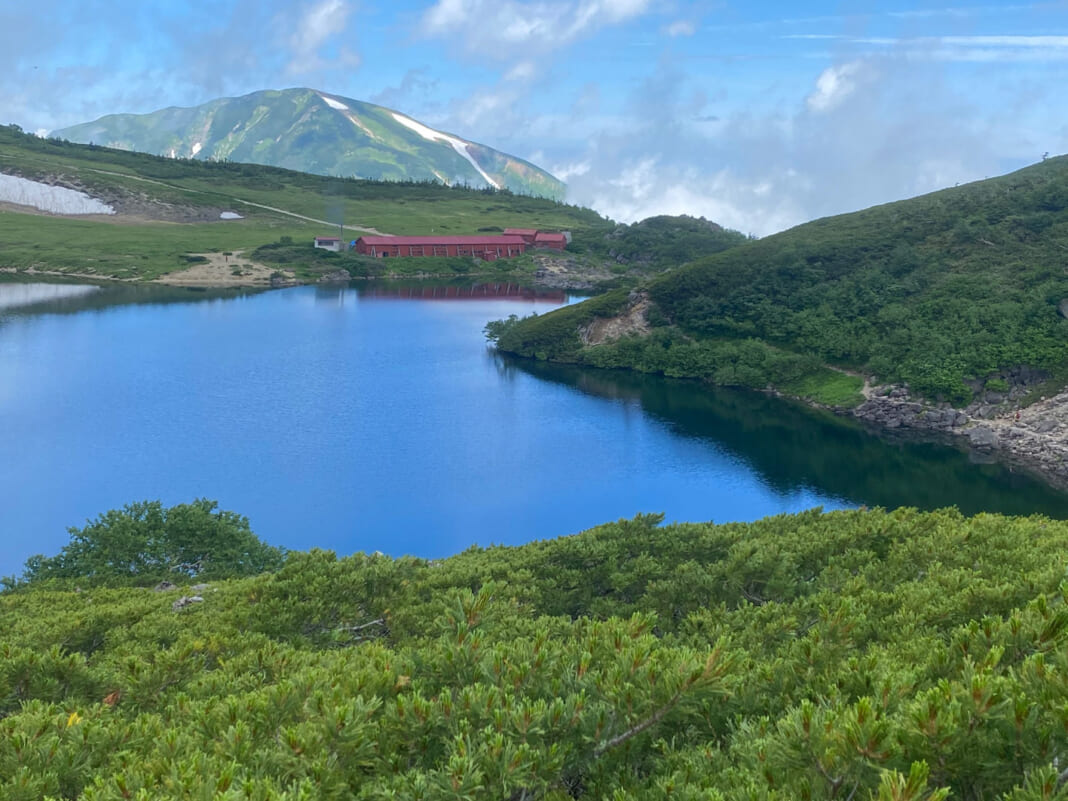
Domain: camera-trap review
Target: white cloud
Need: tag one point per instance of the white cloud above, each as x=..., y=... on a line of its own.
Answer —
x=970, y=11
x=981, y=49
x=871, y=132
x=833, y=86
x=1007, y=41
x=681, y=27
x=649, y=186
x=317, y=25
x=565, y=172
x=446, y=15
x=542, y=26
x=523, y=71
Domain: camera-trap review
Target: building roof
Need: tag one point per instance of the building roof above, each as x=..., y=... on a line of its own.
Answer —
x=521, y=231
x=545, y=236
x=441, y=240
x=328, y=239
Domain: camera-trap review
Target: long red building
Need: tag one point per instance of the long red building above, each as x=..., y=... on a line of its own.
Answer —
x=488, y=248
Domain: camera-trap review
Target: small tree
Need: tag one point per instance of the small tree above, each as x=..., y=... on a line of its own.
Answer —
x=144, y=543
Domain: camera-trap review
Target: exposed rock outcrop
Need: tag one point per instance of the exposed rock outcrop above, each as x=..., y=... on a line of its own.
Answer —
x=562, y=271
x=1035, y=437
x=631, y=321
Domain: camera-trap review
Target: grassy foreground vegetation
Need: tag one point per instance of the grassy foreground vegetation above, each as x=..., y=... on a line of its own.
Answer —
x=850, y=655
x=933, y=292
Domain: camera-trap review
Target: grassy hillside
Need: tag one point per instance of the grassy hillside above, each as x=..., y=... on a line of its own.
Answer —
x=314, y=132
x=859, y=654
x=169, y=208
x=940, y=292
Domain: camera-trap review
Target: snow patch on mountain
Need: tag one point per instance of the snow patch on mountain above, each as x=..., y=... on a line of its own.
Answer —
x=459, y=145
x=54, y=199
x=348, y=114
x=334, y=103
x=351, y=117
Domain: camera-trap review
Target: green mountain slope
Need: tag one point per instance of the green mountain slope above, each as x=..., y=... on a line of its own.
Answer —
x=940, y=292
x=818, y=656
x=167, y=209
x=315, y=132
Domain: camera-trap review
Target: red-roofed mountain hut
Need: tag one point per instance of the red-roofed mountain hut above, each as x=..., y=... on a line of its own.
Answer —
x=488, y=248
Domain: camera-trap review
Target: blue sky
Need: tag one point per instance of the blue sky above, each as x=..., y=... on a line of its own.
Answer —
x=759, y=115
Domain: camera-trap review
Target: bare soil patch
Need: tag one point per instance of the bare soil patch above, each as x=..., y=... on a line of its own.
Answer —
x=221, y=270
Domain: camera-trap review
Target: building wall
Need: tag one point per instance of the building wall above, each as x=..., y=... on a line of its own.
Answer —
x=487, y=251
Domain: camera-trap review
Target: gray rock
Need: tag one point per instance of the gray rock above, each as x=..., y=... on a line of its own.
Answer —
x=164, y=586
x=982, y=437
x=1045, y=426
x=200, y=587
x=186, y=600
x=338, y=276
x=960, y=419
x=1062, y=307
x=941, y=418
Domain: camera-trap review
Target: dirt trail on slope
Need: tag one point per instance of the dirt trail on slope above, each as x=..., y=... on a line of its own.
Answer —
x=373, y=231
x=362, y=229
x=175, y=215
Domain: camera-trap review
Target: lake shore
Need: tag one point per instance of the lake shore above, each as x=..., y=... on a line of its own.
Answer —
x=1034, y=438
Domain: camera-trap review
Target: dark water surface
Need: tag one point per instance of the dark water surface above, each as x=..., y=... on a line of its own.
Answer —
x=375, y=418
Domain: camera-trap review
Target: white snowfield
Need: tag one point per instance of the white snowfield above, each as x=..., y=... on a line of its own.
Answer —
x=334, y=103
x=54, y=199
x=459, y=145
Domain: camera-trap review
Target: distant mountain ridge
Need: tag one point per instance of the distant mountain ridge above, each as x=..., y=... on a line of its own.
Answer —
x=316, y=132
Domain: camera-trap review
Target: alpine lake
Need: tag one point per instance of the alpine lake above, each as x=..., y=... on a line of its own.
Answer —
x=375, y=417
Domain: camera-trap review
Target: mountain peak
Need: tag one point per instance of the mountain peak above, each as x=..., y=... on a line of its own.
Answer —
x=320, y=132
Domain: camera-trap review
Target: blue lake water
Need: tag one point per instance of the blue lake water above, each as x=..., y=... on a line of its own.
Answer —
x=376, y=418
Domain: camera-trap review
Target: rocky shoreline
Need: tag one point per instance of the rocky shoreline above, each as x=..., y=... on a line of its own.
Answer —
x=1034, y=438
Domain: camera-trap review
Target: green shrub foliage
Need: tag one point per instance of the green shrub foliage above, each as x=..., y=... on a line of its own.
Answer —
x=856, y=654
x=144, y=543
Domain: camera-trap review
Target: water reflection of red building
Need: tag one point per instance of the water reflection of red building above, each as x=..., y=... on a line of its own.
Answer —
x=498, y=291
